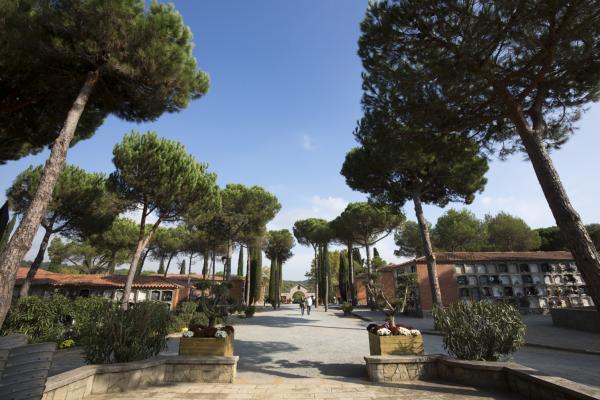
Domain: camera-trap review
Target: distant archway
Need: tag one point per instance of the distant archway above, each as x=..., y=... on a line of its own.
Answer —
x=288, y=297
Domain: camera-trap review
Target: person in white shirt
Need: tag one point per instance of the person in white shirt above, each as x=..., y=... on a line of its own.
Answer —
x=309, y=303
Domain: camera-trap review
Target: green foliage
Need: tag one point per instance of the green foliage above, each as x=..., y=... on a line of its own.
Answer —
x=81, y=203
x=187, y=315
x=480, y=331
x=41, y=319
x=118, y=335
x=182, y=270
x=144, y=55
x=459, y=231
x=344, y=275
x=255, y=254
x=249, y=311
x=161, y=267
x=347, y=308
x=215, y=301
x=508, y=233
x=7, y=232
x=187, y=307
x=552, y=239
x=53, y=319
x=159, y=175
x=409, y=241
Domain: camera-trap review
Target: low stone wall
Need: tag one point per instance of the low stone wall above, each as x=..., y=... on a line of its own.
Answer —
x=583, y=319
x=496, y=376
x=113, y=378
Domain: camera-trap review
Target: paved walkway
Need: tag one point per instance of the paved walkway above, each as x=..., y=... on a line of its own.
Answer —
x=284, y=355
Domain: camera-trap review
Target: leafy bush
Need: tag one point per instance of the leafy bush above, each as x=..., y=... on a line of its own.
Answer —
x=184, y=320
x=249, y=311
x=121, y=336
x=53, y=319
x=347, y=307
x=41, y=319
x=480, y=330
x=187, y=307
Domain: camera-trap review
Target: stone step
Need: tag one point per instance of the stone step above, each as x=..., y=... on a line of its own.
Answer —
x=306, y=390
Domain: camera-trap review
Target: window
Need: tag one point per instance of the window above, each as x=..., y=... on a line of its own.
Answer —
x=504, y=279
x=546, y=267
x=491, y=269
x=481, y=269
x=527, y=279
x=502, y=268
x=155, y=295
x=464, y=292
x=459, y=269
x=523, y=268
x=461, y=280
x=483, y=280
x=167, y=295
x=508, y=291
x=494, y=280
x=486, y=292
x=472, y=280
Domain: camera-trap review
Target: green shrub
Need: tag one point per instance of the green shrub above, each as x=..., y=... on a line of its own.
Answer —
x=187, y=307
x=249, y=311
x=121, y=336
x=42, y=319
x=84, y=309
x=347, y=307
x=179, y=321
x=480, y=330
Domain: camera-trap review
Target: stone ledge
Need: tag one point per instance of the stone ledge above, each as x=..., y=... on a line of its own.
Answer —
x=109, y=378
x=502, y=376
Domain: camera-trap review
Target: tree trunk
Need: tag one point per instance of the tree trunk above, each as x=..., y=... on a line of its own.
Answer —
x=20, y=242
x=326, y=302
x=140, y=266
x=316, y=277
x=24, y=292
x=567, y=219
x=112, y=264
x=370, y=301
x=214, y=264
x=168, y=264
x=434, y=284
x=142, y=243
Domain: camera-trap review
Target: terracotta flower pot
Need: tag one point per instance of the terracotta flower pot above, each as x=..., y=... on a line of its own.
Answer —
x=397, y=345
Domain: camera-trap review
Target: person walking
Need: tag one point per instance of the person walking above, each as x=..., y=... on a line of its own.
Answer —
x=309, y=303
x=302, y=304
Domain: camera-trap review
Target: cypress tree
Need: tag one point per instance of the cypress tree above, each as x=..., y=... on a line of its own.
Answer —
x=343, y=275
x=161, y=267
x=240, y=269
x=182, y=267
x=273, y=276
x=205, y=264
x=255, y=273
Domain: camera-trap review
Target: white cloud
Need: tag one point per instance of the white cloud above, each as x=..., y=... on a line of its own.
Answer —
x=307, y=143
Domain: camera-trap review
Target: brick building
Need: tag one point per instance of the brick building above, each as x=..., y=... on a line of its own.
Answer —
x=172, y=289
x=534, y=281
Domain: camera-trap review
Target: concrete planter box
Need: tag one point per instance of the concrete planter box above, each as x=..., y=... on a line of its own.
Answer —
x=583, y=319
x=395, y=345
x=199, y=346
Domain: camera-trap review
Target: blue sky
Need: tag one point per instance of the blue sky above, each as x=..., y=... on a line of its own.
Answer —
x=282, y=106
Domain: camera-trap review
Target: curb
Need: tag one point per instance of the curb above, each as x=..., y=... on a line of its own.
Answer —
x=527, y=344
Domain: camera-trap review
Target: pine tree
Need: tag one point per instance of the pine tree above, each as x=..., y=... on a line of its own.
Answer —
x=119, y=57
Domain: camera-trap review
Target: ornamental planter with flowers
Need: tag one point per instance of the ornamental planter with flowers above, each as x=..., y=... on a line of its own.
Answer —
x=388, y=339
x=201, y=340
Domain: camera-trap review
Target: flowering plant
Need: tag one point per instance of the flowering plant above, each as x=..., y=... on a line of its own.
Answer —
x=208, y=331
x=389, y=329
x=221, y=334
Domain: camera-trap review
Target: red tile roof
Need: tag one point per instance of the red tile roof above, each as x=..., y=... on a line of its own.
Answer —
x=44, y=277
x=491, y=256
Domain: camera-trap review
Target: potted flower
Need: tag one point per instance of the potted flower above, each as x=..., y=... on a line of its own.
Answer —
x=388, y=339
x=249, y=311
x=347, y=308
x=201, y=340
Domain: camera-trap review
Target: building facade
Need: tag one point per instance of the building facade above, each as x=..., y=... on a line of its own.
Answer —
x=534, y=281
x=170, y=289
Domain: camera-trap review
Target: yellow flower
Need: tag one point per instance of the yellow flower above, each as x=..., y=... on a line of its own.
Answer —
x=184, y=330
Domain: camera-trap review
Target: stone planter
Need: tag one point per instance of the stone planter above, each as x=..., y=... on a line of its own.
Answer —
x=395, y=345
x=200, y=346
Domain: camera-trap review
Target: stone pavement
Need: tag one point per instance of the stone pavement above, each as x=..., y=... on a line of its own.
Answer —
x=540, y=331
x=307, y=389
